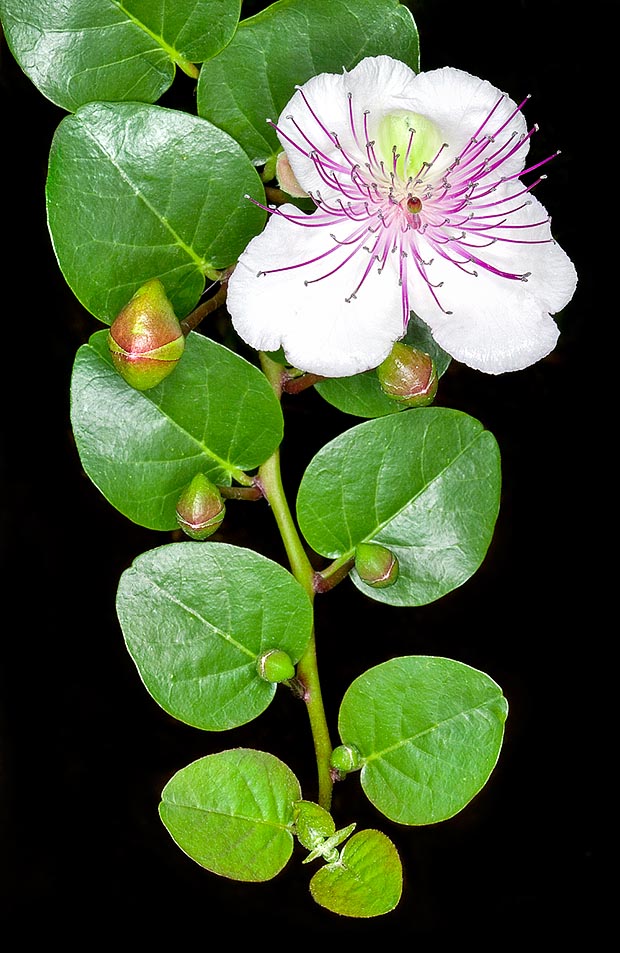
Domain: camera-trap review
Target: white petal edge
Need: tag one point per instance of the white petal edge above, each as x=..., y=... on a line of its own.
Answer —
x=319, y=331
x=500, y=324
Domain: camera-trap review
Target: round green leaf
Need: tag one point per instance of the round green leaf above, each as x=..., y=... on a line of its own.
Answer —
x=196, y=617
x=215, y=414
x=79, y=51
x=254, y=77
x=429, y=731
x=136, y=192
x=361, y=394
x=232, y=813
x=367, y=881
x=425, y=484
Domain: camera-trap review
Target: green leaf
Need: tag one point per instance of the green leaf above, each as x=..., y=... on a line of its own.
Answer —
x=136, y=192
x=429, y=731
x=425, y=484
x=79, y=51
x=215, y=414
x=232, y=813
x=196, y=617
x=367, y=881
x=253, y=79
x=361, y=395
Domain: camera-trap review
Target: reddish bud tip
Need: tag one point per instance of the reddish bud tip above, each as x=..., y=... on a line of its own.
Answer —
x=408, y=376
x=200, y=509
x=145, y=340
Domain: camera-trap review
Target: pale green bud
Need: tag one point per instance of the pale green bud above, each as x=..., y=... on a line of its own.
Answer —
x=376, y=565
x=275, y=666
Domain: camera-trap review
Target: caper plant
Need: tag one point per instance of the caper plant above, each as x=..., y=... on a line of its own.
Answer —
x=358, y=225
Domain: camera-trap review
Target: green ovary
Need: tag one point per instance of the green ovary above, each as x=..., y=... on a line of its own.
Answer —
x=395, y=130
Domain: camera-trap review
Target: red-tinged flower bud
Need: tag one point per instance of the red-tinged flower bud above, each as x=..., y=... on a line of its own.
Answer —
x=376, y=565
x=145, y=340
x=408, y=376
x=275, y=666
x=200, y=509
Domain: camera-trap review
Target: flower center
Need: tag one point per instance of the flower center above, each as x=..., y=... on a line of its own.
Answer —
x=413, y=205
x=408, y=142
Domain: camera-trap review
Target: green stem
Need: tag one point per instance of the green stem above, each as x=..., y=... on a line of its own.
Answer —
x=335, y=573
x=190, y=69
x=270, y=480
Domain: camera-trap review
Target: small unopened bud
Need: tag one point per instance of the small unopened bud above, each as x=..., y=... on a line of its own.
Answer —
x=376, y=565
x=200, y=509
x=286, y=178
x=275, y=666
x=345, y=758
x=145, y=340
x=408, y=376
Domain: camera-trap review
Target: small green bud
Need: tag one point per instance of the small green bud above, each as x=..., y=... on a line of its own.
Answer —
x=145, y=340
x=408, y=376
x=275, y=666
x=376, y=565
x=200, y=509
x=312, y=824
x=346, y=758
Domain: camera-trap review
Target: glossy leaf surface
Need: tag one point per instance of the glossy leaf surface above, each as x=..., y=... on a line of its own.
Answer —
x=136, y=192
x=429, y=731
x=425, y=484
x=292, y=40
x=366, y=882
x=80, y=51
x=232, y=813
x=196, y=617
x=216, y=414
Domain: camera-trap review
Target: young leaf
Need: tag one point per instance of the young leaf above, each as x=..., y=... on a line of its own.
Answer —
x=77, y=52
x=425, y=484
x=216, y=414
x=429, y=731
x=136, y=192
x=232, y=813
x=254, y=77
x=367, y=881
x=361, y=394
x=197, y=616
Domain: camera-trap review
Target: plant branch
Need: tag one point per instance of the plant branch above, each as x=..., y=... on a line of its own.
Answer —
x=270, y=481
x=338, y=570
x=207, y=307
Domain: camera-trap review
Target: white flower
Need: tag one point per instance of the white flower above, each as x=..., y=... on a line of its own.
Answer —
x=419, y=207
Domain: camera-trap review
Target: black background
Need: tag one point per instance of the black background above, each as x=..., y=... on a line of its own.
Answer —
x=86, y=752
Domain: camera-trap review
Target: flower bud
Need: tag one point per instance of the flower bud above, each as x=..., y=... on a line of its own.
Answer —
x=286, y=178
x=145, y=340
x=200, y=508
x=275, y=666
x=376, y=565
x=408, y=376
x=345, y=758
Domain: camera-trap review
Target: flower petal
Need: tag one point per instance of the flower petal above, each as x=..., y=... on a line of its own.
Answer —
x=378, y=83
x=462, y=106
x=500, y=324
x=310, y=319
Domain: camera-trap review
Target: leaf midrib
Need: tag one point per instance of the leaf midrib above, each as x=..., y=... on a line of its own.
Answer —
x=410, y=740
